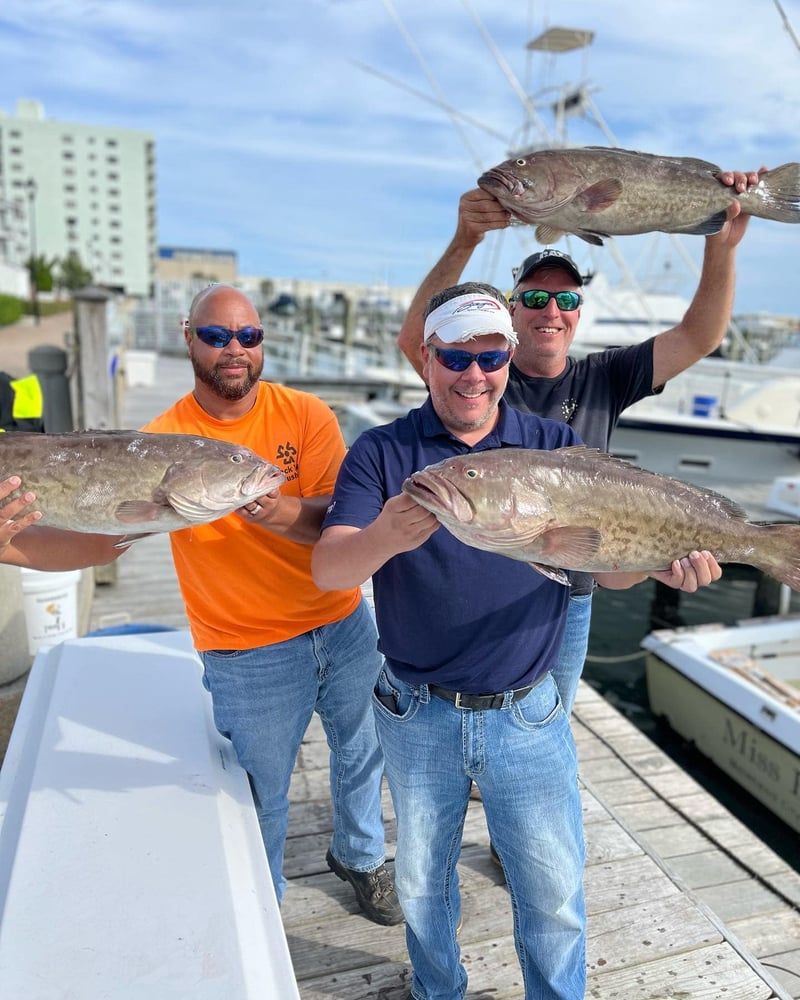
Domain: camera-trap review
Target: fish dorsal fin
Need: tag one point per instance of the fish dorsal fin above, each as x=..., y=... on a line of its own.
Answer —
x=136, y=511
x=599, y=196
x=570, y=546
x=547, y=234
x=558, y=575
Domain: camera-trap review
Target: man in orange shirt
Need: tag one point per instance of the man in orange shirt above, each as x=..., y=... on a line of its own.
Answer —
x=274, y=647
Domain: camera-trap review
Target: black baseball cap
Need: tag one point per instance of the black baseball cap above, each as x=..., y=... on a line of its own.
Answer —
x=546, y=258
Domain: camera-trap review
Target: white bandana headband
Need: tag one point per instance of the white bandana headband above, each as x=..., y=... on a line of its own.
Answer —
x=469, y=316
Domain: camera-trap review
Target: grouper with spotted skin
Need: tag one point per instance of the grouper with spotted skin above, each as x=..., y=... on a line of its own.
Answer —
x=598, y=191
x=581, y=509
x=133, y=483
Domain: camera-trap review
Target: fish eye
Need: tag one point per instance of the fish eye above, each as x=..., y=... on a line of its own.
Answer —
x=236, y=458
x=471, y=473
x=521, y=161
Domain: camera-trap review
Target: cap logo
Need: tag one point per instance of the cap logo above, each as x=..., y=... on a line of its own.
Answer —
x=478, y=305
x=465, y=317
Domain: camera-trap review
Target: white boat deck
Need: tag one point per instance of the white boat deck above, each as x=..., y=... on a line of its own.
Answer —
x=131, y=860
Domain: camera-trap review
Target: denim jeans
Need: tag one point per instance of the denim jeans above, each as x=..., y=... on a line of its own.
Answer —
x=574, y=645
x=263, y=700
x=523, y=758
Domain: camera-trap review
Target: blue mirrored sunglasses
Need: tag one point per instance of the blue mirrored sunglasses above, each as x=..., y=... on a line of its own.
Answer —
x=537, y=298
x=221, y=336
x=459, y=361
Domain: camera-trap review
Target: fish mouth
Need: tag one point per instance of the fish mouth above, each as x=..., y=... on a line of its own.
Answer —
x=439, y=496
x=262, y=480
x=496, y=177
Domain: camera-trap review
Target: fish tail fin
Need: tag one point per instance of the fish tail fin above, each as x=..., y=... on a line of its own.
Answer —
x=776, y=196
x=780, y=557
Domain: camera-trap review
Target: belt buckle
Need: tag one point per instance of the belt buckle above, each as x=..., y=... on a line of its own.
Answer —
x=457, y=701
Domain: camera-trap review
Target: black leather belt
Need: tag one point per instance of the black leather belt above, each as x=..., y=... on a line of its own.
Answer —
x=480, y=702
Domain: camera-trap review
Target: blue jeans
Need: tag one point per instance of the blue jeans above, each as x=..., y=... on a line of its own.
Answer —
x=263, y=700
x=524, y=761
x=573, y=649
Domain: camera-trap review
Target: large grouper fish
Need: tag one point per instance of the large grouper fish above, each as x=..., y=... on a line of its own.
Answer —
x=580, y=509
x=133, y=482
x=599, y=191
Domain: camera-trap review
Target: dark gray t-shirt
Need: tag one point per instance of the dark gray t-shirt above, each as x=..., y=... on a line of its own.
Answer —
x=589, y=395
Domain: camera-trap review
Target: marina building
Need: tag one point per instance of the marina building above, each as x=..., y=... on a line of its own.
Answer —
x=73, y=188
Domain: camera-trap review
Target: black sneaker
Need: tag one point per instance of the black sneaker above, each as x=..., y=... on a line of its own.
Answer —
x=496, y=859
x=374, y=891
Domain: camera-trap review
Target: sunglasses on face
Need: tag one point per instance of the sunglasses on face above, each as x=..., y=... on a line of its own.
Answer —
x=537, y=298
x=221, y=336
x=459, y=361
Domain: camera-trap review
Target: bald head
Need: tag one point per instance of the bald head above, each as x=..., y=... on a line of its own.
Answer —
x=214, y=301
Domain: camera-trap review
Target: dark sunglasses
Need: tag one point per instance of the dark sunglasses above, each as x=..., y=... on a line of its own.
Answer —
x=221, y=336
x=537, y=298
x=459, y=361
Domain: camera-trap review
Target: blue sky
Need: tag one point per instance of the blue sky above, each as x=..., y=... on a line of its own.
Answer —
x=273, y=140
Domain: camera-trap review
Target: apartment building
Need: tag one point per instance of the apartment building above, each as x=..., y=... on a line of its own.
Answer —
x=91, y=189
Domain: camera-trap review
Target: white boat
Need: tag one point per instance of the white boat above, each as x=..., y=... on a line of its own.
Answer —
x=131, y=860
x=734, y=691
x=717, y=422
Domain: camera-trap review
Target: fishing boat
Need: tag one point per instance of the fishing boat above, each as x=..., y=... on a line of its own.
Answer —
x=718, y=422
x=734, y=692
x=725, y=420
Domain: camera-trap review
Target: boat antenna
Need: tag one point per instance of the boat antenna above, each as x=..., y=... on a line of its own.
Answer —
x=516, y=86
x=451, y=111
x=788, y=25
x=442, y=102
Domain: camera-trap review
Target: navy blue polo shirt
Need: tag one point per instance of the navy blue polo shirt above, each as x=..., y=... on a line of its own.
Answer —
x=448, y=613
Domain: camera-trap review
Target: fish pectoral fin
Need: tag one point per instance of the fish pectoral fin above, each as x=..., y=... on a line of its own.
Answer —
x=570, y=547
x=551, y=572
x=547, y=234
x=135, y=511
x=599, y=196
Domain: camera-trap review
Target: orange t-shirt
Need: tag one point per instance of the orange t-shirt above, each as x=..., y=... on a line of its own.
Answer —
x=243, y=585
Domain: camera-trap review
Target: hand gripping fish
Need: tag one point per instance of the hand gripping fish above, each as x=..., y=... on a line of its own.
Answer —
x=580, y=509
x=132, y=482
x=598, y=191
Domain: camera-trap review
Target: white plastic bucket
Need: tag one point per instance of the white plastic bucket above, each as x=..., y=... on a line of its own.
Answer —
x=50, y=603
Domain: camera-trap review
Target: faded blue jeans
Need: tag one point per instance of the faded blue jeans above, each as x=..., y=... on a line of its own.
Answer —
x=574, y=646
x=263, y=700
x=524, y=761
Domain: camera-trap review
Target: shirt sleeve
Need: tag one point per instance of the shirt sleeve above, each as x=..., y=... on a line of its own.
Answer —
x=323, y=449
x=360, y=491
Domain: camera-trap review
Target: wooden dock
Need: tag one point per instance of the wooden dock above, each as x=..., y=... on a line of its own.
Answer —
x=683, y=901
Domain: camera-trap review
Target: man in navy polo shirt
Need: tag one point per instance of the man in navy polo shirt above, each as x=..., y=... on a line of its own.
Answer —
x=469, y=638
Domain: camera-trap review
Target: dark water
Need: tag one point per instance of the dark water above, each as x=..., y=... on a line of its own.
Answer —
x=615, y=668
